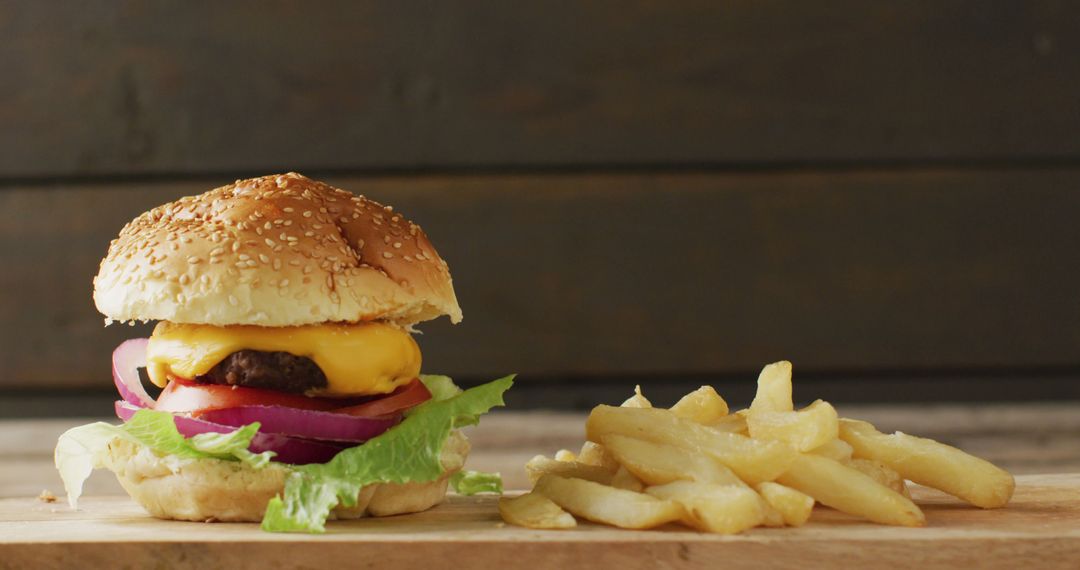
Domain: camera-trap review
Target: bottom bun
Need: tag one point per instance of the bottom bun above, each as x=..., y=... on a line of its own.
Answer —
x=215, y=490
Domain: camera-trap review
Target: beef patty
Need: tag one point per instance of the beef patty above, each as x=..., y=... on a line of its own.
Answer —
x=270, y=370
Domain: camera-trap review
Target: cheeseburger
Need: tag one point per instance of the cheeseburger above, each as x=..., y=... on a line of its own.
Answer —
x=290, y=382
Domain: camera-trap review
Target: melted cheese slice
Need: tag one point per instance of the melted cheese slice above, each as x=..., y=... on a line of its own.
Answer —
x=359, y=359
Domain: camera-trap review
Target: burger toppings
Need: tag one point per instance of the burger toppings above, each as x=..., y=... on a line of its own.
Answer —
x=325, y=472
x=276, y=370
x=355, y=359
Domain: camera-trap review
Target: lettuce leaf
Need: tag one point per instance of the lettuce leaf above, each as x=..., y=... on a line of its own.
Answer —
x=79, y=450
x=441, y=387
x=473, y=482
x=408, y=452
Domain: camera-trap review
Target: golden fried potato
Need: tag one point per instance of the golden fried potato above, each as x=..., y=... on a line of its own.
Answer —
x=532, y=510
x=608, y=505
x=933, y=464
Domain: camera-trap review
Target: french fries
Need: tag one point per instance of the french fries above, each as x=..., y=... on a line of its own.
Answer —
x=835, y=449
x=732, y=423
x=752, y=460
x=594, y=454
x=851, y=491
x=657, y=464
x=534, y=511
x=703, y=406
x=794, y=506
x=565, y=455
x=702, y=465
x=600, y=503
x=806, y=429
x=881, y=473
x=638, y=400
x=624, y=479
x=539, y=466
x=774, y=389
x=723, y=509
x=933, y=464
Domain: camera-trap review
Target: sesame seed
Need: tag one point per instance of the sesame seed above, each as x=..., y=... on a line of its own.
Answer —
x=307, y=213
x=270, y=242
x=185, y=279
x=284, y=283
x=420, y=255
x=217, y=251
x=264, y=258
x=397, y=245
x=307, y=269
x=277, y=263
x=287, y=209
x=408, y=258
x=244, y=257
x=236, y=246
x=386, y=238
x=309, y=233
x=287, y=223
x=359, y=244
x=387, y=254
x=233, y=301
x=194, y=259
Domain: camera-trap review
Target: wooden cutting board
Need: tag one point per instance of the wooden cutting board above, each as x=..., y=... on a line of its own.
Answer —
x=1039, y=529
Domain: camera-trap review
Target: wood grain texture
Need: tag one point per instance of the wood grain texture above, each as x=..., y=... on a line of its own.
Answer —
x=136, y=87
x=1041, y=526
x=645, y=274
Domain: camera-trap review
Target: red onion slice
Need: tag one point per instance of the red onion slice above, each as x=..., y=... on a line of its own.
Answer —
x=307, y=424
x=292, y=450
x=126, y=361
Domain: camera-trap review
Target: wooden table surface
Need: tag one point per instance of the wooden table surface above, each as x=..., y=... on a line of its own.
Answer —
x=1040, y=529
x=1024, y=438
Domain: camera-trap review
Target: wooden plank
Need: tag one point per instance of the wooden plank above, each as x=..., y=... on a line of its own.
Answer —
x=1042, y=523
x=136, y=87
x=646, y=274
x=1023, y=438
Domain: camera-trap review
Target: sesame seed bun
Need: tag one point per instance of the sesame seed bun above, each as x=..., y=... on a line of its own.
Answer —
x=217, y=490
x=281, y=250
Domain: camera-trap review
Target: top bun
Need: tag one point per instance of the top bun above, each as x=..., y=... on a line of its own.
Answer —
x=274, y=251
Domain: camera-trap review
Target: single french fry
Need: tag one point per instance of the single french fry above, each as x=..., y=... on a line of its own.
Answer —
x=539, y=466
x=703, y=406
x=835, y=449
x=851, y=491
x=608, y=505
x=794, y=506
x=657, y=464
x=928, y=462
x=724, y=509
x=881, y=473
x=752, y=460
x=532, y=510
x=806, y=429
x=774, y=389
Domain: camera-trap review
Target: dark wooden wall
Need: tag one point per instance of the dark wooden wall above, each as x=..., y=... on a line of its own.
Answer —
x=624, y=190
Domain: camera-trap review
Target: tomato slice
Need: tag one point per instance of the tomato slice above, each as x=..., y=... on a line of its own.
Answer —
x=407, y=396
x=195, y=398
